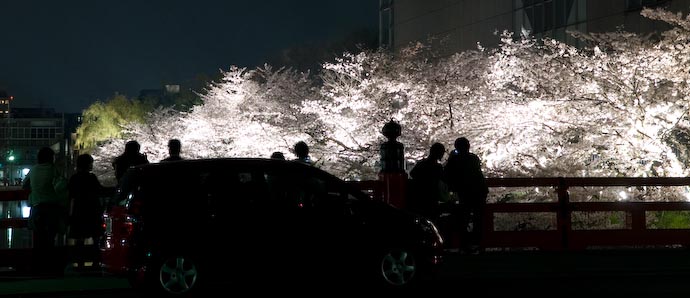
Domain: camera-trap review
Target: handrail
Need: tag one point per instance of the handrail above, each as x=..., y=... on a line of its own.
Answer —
x=17, y=194
x=563, y=237
x=9, y=195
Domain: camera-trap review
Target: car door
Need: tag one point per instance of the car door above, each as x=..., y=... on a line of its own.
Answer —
x=236, y=223
x=316, y=229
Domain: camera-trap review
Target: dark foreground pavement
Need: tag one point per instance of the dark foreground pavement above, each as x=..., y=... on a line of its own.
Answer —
x=618, y=272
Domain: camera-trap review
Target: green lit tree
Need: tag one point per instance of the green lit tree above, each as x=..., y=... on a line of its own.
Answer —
x=103, y=121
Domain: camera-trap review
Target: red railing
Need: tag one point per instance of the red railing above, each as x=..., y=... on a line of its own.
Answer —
x=11, y=253
x=563, y=236
x=9, y=196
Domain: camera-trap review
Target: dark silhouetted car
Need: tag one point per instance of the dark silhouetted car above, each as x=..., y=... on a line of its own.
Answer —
x=183, y=225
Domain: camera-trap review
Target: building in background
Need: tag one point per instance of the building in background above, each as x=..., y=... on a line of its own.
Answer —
x=5, y=104
x=164, y=96
x=25, y=130
x=461, y=24
x=5, y=101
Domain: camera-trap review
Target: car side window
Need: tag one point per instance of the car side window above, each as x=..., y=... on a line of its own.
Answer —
x=293, y=190
x=306, y=191
x=233, y=191
x=338, y=200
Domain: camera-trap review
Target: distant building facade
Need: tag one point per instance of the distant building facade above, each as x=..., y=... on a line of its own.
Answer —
x=25, y=130
x=165, y=95
x=4, y=104
x=463, y=23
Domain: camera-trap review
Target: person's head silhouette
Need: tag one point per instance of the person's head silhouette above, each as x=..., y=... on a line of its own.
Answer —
x=174, y=147
x=84, y=162
x=437, y=150
x=462, y=145
x=132, y=147
x=46, y=155
x=278, y=155
x=301, y=150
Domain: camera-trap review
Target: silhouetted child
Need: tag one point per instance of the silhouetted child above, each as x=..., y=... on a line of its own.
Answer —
x=86, y=212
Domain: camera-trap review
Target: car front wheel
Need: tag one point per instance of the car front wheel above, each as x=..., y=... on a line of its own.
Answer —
x=178, y=275
x=398, y=267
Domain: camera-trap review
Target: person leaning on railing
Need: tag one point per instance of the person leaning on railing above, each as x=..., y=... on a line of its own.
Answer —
x=48, y=200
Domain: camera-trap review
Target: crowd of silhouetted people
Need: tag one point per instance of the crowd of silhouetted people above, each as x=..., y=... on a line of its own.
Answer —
x=68, y=211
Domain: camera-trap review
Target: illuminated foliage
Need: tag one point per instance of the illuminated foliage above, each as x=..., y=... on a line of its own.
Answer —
x=103, y=121
x=530, y=108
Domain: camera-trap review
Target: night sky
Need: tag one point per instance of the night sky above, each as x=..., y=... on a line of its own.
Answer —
x=67, y=54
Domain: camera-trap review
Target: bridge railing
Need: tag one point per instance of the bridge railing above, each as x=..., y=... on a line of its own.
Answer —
x=15, y=236
x=555, y=205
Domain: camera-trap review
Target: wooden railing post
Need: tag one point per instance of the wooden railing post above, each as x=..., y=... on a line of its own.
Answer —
x=639, y=222
x=564, y=219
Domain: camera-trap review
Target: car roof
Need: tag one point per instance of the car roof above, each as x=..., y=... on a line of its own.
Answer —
x=231, y=162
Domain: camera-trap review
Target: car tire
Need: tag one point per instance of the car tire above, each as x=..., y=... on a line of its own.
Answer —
x=175, y=275
x=398, y=268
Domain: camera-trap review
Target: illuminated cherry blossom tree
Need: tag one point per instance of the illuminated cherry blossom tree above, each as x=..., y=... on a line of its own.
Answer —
x=617, y=107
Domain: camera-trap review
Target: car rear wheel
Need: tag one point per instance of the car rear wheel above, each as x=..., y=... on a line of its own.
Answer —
x=398, y=267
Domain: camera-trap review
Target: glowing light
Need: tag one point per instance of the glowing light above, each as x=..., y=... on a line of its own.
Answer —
x=26, y=211
x=623, y=195
x=25, y=171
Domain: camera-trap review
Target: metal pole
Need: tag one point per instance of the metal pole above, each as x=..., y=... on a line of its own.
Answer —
x=9, y=140
x=8, y=131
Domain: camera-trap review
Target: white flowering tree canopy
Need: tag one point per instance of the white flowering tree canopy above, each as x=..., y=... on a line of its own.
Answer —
x=617, y=107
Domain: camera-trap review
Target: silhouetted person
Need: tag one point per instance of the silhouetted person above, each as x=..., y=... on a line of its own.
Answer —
x=48, y=211
x=463, y=172
x=427, y=176
x=392, y=151
x=86, y=211
x=174, y=149
x=278, y=155
x=302, y=151
x=131, y=157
